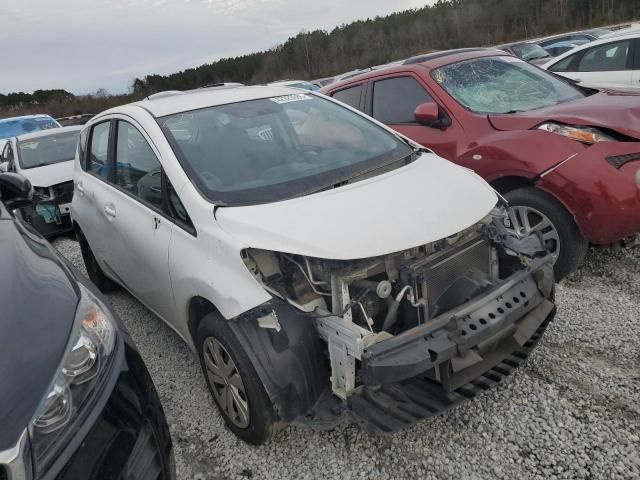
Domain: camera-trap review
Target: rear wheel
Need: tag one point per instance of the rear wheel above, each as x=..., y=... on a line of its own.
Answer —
x=233, y=382
x=533, y=211
x=94, y=271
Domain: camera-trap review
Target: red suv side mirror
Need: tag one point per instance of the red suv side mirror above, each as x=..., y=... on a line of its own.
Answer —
x=427, y=113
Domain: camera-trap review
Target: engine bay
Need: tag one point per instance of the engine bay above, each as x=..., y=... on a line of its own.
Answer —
x=359, y=303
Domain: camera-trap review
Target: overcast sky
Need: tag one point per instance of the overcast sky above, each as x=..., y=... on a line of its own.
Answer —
x=83, y=45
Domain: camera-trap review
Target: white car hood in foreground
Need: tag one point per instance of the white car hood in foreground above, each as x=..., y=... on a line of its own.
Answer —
x=50, y=174
x=427, y=200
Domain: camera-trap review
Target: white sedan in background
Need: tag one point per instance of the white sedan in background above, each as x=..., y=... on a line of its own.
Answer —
x=611, y=62
x=45, y=158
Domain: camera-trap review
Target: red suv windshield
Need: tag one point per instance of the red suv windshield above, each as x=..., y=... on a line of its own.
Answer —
x=495, y=85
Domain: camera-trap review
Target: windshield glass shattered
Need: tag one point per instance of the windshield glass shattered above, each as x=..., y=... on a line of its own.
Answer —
x=493, y=85
x=54, y=148
x=271, y=149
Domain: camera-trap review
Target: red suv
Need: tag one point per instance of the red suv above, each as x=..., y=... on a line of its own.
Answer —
x=567, y=158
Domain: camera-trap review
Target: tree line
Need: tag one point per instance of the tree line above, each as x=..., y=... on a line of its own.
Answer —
x=316, y=54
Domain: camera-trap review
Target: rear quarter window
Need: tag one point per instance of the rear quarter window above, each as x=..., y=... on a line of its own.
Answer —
x=97, y=161
x=350, y=96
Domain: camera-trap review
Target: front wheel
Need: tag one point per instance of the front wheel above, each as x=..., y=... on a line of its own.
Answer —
x=533, y=211
x=233, y=382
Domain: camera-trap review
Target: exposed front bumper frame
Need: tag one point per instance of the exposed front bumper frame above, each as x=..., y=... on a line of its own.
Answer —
x=470, y=339
x=458, y=338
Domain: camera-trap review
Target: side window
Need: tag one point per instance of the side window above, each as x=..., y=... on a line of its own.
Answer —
x=8, y=153
x=563, y=65
x=395, y=100
x=99, y=150
x=138, y=170
x=176, y=208
x=611, y=57
x=8, y=156
x=82, y=145
x=350, y=96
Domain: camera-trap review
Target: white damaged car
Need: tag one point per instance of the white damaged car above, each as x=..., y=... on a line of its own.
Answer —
x=322, y=266
x=46, y=159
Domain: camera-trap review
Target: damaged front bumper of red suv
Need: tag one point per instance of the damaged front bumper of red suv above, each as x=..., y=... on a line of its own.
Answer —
x=601, y=186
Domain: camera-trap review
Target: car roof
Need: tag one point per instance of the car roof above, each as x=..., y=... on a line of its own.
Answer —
x=47, y=132
x=595, y=43
x=161, y=106
x=562, y=35
x=25, y=117
x=429, y=61
x=286, y=83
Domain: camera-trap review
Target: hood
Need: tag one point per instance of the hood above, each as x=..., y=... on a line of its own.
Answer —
x=38, y=308
x=422, y=202
x=616, y=110
x=49, y=174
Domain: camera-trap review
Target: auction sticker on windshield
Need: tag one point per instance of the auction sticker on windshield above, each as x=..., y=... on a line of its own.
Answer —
x=296, y=97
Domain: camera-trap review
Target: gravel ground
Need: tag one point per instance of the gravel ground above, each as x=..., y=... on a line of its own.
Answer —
x=573, y=411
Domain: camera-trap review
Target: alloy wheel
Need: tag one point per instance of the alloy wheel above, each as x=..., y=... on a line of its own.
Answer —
x=226, y=382
x=527, y=220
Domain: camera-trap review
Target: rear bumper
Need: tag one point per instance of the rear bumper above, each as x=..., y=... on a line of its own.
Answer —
x=435, y=366
x=603, y=195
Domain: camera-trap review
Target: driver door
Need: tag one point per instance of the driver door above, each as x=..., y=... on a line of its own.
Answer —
x=140, y=233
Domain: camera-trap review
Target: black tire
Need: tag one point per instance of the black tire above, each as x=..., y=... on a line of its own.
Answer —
x=573, y=245
x=262, y=423
x=94, y=271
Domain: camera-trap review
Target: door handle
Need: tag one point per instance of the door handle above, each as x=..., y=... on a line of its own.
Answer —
x=110, y=210
x=80, y=188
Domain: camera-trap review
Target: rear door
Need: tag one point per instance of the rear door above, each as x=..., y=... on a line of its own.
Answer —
x=605, y=66
x=92, y=191
x=393, y=101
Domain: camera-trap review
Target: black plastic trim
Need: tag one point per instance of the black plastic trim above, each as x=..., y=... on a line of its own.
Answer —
x=291, y=363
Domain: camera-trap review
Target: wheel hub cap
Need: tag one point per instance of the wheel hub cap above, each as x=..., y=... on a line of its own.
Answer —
x=527, y=220
x=226, y=382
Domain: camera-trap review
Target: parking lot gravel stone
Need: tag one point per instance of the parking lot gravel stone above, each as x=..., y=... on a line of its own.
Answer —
x=572, y=412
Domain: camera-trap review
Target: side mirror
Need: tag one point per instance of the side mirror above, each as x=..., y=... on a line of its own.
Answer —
x=15, y=190
x=4, y=167
x=427, y=114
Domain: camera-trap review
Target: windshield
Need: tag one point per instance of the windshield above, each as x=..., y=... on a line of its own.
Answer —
x=41, y=151
x=13, y=127
x=266, y=150
x=503, y=85
x=530, y=51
